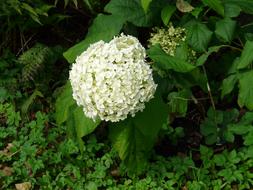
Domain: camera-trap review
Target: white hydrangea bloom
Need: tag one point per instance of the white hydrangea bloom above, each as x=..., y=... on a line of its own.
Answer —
x=112, y=80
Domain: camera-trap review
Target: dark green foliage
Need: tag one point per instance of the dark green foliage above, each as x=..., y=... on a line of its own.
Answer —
x=197, y=133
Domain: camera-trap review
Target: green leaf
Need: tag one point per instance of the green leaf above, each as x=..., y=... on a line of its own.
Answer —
x=215, y=115
x=229, y=136
x=233, y=68
x=245, y=96
x=233, y=157
x=245, y=5
x=3, y=94
x=178, y=102
x=216, y=5
x=225, y=29
x=66, y=2
x=228, y=85
x=246, y=119
x=230, y=116
x=132, y=11
x=75, y=2
x=248, y=139
x=209, y=128
x=249, y=152
x=238, y=129
x=166, y=13
x=198, y=35
x=83, y=124
x=25, y=106
x=196, y=11
x=182, y=51
x=232, y=10
x=134, y=138
x=167, y=62
x=145, y=5
x=30, y=9
x=206, y=152
x=78, y=125
x=104, y=27
x=191, y=79
x=247, y=55
x=202, y=59
x=63, y=103
x=219, y=159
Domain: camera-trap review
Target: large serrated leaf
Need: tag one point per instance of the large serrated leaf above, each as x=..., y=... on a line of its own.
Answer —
x=167, y=62
x=83, y=124
x=166, y=13
x=232, y=10
x=104, y=27
x=225, y=29
x=245, y=5
x=216, y=5
x=145, y=5
x=245, y=97
x=134, y=138
x=67, y=111
x=132, y=11
x=198, y=35
x=63, y=103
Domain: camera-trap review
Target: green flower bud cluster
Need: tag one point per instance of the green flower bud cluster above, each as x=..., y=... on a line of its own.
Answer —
x=170, y=38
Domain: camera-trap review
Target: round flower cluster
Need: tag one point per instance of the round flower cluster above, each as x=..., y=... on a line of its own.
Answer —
x=112, y=80
x=170, y=38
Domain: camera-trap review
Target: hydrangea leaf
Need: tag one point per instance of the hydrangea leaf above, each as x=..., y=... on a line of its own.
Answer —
x=232, y=10
x=216, y=5
x=63, y=103
x=83, y=124
x=225, y=29
x=166, y=13
x=145, y=5
x=246, y=56
x=104, y=27
x=198, y=35
x=134, y=137
x=132, y=11
x=245, y=96
x=167, y=62
x=67, y=111
x=245, y=5
x=190, y=79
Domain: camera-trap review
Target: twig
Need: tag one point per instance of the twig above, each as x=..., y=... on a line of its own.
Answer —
x=25, y=44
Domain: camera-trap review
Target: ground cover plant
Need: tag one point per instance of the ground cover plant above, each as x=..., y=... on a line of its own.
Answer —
x=126, y=94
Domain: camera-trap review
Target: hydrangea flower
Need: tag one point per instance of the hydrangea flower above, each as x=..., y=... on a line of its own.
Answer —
x=112, y=80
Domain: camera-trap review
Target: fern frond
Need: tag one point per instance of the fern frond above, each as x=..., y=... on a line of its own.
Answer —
x=34, y=60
